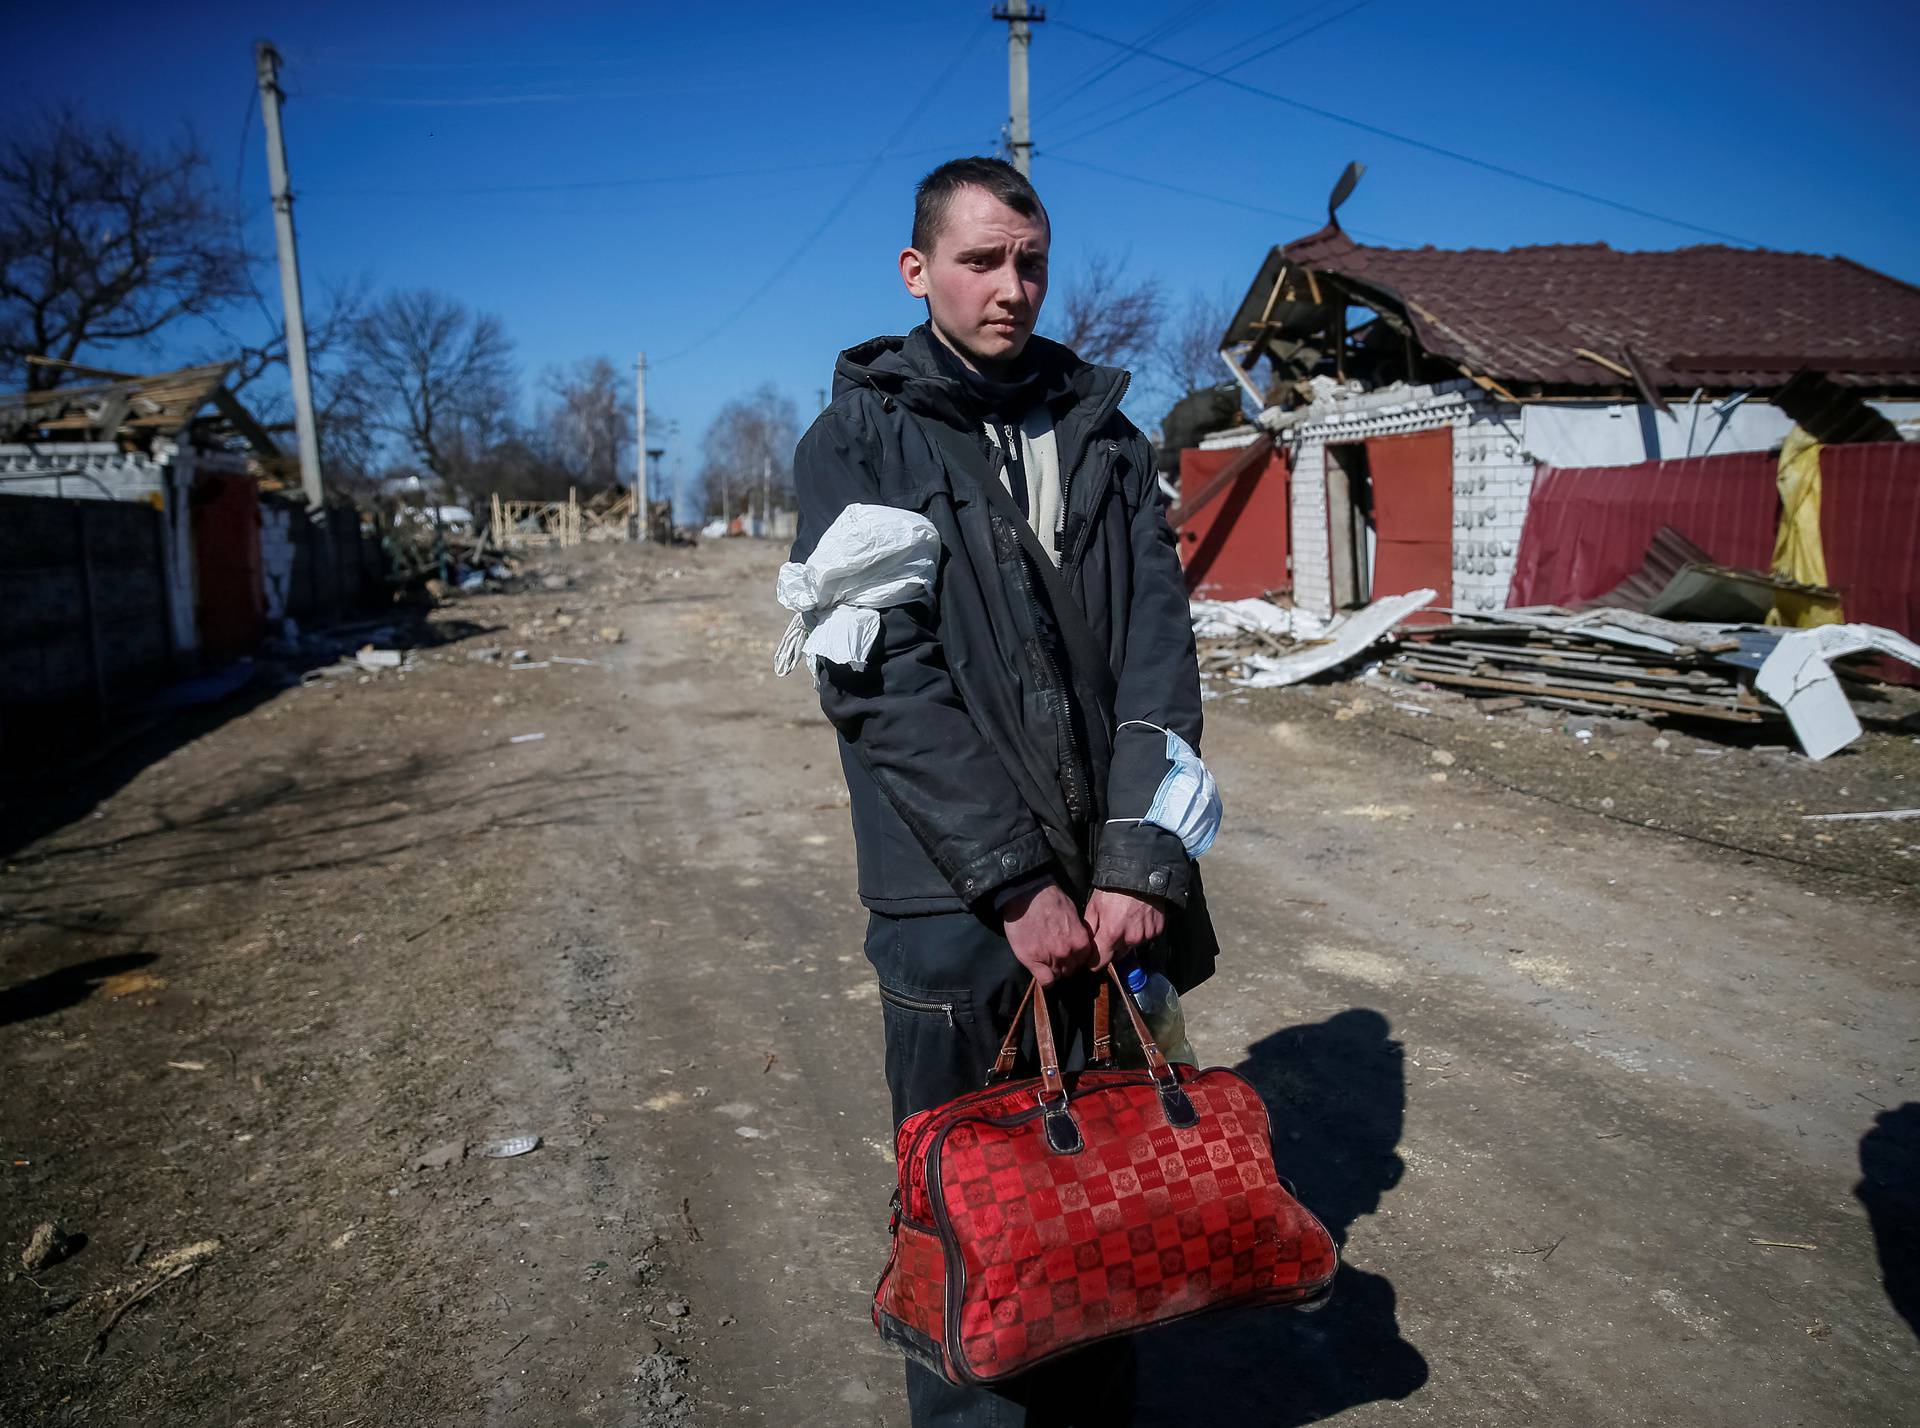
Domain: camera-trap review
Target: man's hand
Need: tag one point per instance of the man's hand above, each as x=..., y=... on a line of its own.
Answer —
x=1046, y=933
x=1121, y=922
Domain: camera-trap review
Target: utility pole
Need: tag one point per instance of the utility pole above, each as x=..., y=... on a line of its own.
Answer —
x=644, y=510
x=1020, y=18
x=267, y=65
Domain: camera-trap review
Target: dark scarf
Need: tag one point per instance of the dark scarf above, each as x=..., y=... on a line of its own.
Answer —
x=1001, y=401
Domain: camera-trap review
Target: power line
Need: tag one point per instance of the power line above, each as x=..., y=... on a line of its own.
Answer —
x=800, y=250
x=589, y=185
x=1241, y=63
x=1099, y=70
x=1485, y=164
x=1210, y=197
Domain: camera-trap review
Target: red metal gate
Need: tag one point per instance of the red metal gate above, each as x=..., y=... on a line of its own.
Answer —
x=226, y=542
x=1412, y=479
x=1233, y=541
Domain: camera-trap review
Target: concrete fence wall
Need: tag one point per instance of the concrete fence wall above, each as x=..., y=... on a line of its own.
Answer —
x=83, y=603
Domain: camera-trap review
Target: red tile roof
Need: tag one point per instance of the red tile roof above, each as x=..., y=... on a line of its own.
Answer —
x=1708, y=316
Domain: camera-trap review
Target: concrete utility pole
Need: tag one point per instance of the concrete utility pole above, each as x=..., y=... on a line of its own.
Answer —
x=267, y=65
x=644, y=510
x=1020, y=18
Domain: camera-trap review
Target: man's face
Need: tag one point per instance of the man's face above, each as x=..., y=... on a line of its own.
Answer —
x=985, y=279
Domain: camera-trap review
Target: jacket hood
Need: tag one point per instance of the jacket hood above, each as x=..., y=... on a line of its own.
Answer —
x=906, y=369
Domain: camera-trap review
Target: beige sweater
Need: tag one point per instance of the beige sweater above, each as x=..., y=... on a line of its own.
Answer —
x=1040, y=455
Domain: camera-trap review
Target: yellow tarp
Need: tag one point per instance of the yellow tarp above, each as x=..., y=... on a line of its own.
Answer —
x=1797, y=553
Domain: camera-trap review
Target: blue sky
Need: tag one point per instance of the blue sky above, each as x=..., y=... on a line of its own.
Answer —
x=612, y=177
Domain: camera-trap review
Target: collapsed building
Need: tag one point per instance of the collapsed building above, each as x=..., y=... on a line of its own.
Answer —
x=1416, y=403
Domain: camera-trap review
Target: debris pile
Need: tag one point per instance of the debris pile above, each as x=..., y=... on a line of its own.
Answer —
x=1616, y=662
x=1261, y=645
x=1600, y=661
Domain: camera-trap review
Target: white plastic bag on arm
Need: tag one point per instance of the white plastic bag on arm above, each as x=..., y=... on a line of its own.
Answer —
x=870, y=558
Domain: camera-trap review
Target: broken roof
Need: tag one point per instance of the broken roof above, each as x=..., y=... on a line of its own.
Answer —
x=1587, y=315
x=128, y=409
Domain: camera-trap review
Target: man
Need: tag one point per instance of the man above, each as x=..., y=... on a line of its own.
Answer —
x=999, y=782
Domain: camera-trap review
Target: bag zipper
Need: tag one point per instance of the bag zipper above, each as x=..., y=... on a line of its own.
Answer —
x=919, y=1004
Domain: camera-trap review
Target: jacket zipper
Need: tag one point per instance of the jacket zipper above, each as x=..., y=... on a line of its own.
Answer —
x=1066, y=477
x=1076, y=791
x=1079, y=795
x=919, y=1004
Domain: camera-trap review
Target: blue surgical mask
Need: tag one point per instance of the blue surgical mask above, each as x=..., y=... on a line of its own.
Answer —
x=1187, y=803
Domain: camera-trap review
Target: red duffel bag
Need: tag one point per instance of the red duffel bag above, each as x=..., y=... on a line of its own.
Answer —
x=1036, y=1217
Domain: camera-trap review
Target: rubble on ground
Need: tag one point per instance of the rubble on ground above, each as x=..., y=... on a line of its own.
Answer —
x=1605, y=662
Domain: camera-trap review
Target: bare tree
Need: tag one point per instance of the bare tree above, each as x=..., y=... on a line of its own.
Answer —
x=105, y=240
x=442, y=376
x=749, y=443
x=1188, y=357
x=1108, y=317
x=592, y=420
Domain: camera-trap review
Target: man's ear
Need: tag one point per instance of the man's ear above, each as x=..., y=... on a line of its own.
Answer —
x=913, y=271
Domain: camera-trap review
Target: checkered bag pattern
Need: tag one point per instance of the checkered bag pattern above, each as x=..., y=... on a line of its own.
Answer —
x=1009, y=1251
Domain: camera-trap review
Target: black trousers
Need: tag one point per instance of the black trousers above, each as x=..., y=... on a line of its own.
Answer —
x=949, y=987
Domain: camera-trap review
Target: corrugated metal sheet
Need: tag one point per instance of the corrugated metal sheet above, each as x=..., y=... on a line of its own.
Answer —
x=1706, y=316
x=1870, y=530
x=1588, y=528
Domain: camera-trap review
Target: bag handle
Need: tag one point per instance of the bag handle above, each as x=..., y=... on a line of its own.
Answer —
x=1174, y=1102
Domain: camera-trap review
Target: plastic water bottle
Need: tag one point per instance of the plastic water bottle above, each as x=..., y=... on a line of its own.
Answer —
x=1159, y=1006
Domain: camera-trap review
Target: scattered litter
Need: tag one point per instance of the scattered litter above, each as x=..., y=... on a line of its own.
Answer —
x=535, y=664
x=750, y=1132
x=570, y=659
x=611, y=635
x=370, y=658
x=1782, y=1244
x=1894, y=815
x=526, y=738
x=188, y=1065
x=48, y=1245
x=1378, y=812
x=511, y=1146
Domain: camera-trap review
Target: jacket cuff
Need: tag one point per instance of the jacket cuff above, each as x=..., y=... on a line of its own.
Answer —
x=1143, y=858
x=1009, y=863
x=1033, y=883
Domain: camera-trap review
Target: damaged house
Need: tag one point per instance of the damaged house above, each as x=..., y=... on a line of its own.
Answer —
x=140, y=537
x=1413, y=402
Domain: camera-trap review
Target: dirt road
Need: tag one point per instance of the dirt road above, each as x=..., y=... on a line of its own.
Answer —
x=1585, y=1101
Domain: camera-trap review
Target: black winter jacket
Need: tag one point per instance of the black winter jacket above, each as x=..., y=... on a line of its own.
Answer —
x=973, y=751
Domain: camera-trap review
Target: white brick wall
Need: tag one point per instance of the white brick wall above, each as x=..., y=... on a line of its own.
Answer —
x=1492, y=479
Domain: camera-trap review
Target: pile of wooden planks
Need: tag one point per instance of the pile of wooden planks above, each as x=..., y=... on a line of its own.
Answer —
x=1613, y=662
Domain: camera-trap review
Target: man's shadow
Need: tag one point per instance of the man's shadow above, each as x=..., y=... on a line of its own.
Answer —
x=1890, y=1189
x=1337, y=1093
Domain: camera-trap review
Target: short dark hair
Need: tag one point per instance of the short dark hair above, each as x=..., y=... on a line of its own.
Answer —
x=996, y=176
